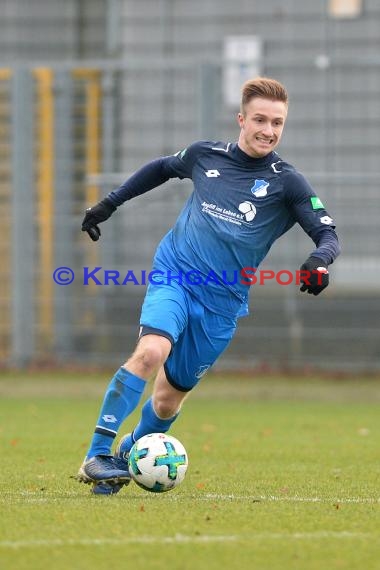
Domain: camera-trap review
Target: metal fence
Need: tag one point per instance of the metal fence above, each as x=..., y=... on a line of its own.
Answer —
x=70, y=134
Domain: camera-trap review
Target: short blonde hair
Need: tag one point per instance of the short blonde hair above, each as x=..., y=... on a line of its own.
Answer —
x=265, y=88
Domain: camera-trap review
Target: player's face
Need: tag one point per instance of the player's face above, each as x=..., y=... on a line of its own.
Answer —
x=261, y=126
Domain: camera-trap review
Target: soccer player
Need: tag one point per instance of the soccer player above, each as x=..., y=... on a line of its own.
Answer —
x=245, y=197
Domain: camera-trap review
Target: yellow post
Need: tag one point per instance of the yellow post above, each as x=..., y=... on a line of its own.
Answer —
x=92, y=135
x=45, y=192
x=93, y=96
x=5, y=73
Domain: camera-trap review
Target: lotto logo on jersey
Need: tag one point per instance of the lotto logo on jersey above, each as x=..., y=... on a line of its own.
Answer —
x=212, y=173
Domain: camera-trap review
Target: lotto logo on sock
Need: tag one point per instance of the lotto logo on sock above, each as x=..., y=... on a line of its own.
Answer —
x=109, y=419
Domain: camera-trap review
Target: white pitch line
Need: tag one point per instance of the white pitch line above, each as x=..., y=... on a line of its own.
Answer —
x=31, y=497
x=184, y=539
x=291, y=499
x=177, y=539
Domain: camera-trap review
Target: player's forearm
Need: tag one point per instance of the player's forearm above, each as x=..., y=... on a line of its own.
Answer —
x=146, y=178
x=328, y=247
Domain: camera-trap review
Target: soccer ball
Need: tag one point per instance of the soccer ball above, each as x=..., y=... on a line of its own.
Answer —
x=158, y=462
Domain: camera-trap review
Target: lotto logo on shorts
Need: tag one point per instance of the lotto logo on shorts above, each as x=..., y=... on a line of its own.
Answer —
x=202, y=371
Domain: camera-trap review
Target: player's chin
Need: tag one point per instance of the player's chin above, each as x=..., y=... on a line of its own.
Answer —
x=262, y=152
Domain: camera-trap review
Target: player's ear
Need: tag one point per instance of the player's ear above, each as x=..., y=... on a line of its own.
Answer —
x=240, y=119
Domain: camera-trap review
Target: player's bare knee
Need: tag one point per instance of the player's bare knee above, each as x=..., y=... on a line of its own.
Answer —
x=165, y=408
x=147, y=359
x=167, y=402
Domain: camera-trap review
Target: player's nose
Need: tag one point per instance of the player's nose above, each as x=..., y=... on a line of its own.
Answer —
x=267, y=130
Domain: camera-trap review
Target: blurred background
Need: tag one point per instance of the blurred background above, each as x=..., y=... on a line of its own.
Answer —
x=92, y=89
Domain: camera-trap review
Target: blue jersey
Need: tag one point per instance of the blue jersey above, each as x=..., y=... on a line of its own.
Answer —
x=239, y=207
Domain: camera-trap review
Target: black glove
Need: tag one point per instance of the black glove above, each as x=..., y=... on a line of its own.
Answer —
x=95, y=215
x=318, y=277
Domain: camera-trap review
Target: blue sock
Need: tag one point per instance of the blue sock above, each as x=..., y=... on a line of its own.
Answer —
x=149, y=423
x=121, y=398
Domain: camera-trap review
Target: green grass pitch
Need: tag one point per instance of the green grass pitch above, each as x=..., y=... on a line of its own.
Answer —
x=283, y=474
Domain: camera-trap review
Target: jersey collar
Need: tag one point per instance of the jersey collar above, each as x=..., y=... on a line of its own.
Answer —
x=258, y=162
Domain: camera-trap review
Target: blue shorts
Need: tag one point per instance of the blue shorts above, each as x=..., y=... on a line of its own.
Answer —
x=198, y=336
